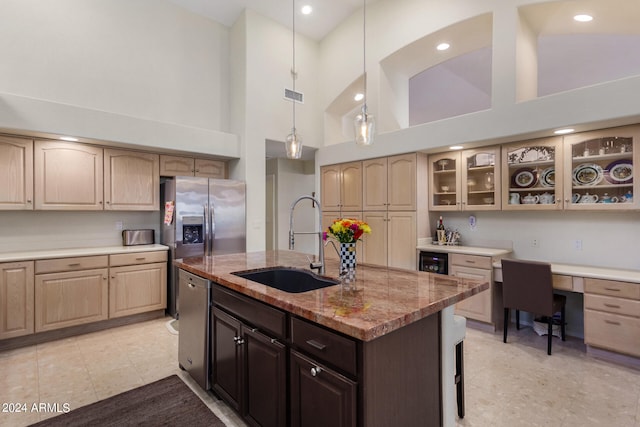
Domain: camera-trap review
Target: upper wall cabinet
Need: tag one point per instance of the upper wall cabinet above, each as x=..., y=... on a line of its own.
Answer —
x=16, y=173
x=466, y=180
x=532, y=175
x=598, y=171
x=189, y=166
x=389, y=183
x=341, y=187
x=131, y=180
x=68, y=176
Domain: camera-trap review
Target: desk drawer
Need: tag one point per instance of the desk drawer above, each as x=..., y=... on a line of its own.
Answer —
x=562, y=282
x=137, y=258
x=612, y=305
x=612, y=288
x=612, y=331
x=476, y=261
x=71, y=264
x=325, y=345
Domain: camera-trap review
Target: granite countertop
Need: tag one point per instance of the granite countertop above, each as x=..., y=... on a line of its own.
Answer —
x=467, y=250
x=74, y=252
x=384, y=299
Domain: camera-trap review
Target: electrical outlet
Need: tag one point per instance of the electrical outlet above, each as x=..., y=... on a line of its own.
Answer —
x=119, y=225
x=534, y=243
x=577, y=245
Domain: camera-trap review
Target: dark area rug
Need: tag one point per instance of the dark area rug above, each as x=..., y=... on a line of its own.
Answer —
x=167, y=402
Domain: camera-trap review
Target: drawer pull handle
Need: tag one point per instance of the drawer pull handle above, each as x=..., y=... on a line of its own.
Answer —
x=315, y=371
x=612, y=289
x=611, y=322
x=141, y=258
x=611, y=305
x=75, y=264
x=470, y=262
x=316, y=344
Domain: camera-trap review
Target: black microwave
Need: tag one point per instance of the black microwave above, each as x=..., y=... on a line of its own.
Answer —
x=434, y=262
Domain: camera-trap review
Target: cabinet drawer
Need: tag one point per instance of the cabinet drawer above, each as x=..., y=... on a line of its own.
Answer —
x=71, y=264
x=137, y=258
x=612, y=288
x=612, y=305
x=255, y=313
x=476, y=261
x=612, y=331
x=562, y=282
x=328, y=346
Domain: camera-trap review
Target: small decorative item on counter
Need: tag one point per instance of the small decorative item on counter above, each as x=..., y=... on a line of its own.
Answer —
x=347, y=231
x=441, y=233
x=446, y=236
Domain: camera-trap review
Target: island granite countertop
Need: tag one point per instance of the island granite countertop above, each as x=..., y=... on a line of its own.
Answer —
x=384, y=299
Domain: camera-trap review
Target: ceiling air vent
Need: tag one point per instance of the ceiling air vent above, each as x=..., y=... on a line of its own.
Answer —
x=294, y=96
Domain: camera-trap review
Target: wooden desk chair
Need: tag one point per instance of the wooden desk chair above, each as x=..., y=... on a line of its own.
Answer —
x=528, y=286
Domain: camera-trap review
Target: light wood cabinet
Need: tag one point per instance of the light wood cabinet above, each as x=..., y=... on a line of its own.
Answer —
x=390, y=183
x=16, y=299
x=391, y=242
x=16, y=173
x=137, y=288
x=612, y=315
x=480, y=306
x=341, y=187
x=68, y=176
x=190, y=166
x=70, y=298
x=131, y=180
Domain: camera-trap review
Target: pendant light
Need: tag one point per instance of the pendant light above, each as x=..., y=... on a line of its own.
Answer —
x=293, y=143
x=364, y=125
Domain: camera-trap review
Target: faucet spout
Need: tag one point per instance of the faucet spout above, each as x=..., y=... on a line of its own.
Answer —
x=314, y=265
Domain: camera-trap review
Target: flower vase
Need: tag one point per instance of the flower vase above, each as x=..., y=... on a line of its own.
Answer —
x=348, y=262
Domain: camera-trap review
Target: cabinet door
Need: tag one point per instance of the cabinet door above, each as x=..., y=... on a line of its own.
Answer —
x=16, y=173
x=16, y=299
x=265, y=380
x=374, y=184
x=209, y=168
x=176, y=166
x=402, y=183
x=137, y=289
x=132, y=180
x=320, y=397
x=330, y=187
x=375, y=244
x=226, y=357
x=481, y=179
x=402, y=238
x=444, y=185
x=68, y=176
x=478, y=307
x=351, y=186
x=70, y=298
x=532, y=175
x=598, y=169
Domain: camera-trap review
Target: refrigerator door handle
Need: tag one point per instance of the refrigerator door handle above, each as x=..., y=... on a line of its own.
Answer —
x=206, y=229
x=213, y=227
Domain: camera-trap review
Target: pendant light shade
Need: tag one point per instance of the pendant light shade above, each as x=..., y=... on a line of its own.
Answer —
x=293, y=143
x=364, y=125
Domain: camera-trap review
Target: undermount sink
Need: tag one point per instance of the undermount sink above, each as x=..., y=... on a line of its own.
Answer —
x=288, y=279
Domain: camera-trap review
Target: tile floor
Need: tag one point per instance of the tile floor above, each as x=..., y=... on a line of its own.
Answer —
x=514, y=384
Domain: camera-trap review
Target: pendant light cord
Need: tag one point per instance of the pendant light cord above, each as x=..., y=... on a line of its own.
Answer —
x=293, y=70
x=364, y=52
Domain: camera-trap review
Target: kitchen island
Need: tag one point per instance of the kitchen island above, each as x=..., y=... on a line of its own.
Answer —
x=367, y=356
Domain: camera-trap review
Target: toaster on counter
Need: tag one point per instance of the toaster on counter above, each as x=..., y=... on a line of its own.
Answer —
x=138, y=237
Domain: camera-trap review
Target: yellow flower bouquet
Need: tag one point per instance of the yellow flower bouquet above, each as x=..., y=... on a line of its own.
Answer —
x=347, y=230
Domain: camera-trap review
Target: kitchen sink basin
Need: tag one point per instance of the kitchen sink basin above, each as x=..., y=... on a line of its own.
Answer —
x=288, y=279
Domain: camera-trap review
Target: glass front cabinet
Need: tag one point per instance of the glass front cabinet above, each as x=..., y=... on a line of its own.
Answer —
x=598, y=170
x=445, y=194
x=531, y=175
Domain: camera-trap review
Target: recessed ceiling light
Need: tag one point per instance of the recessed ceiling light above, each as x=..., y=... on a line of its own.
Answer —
x=443, y=46
x=306, y=9
x=563, y=131
x=68, y=138
x=456, y=147
x=583, y=18
x=358, y=97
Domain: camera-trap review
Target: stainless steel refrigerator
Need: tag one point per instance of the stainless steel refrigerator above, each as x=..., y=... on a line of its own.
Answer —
x=208, y=219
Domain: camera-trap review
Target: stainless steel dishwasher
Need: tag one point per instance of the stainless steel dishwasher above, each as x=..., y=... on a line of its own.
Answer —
x=193, y=335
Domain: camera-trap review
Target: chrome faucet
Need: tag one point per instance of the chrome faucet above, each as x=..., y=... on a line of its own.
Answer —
x=318, y=265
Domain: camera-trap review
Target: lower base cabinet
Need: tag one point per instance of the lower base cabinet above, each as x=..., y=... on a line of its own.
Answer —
x=320, y=396
x=137, y=288
x=16, y=299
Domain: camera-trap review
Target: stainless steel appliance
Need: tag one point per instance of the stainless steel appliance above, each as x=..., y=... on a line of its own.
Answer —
x=138, y=237
x=434, y=262
x=193, y=338
x=208, y=219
